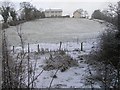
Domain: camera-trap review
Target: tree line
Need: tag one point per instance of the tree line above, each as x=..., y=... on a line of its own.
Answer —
x=110, y=15
x=26, y=12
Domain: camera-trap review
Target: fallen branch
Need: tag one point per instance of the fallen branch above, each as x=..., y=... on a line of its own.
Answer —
x=36, y=77
x=52, y=79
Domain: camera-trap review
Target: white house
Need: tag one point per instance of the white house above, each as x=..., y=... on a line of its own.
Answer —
x=53, y=12
x=78, y=13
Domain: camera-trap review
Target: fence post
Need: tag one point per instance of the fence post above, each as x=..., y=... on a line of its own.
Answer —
x=13, y=49
x=28, y=66
x=60, y=45
x=81, y=46
x=38, y=48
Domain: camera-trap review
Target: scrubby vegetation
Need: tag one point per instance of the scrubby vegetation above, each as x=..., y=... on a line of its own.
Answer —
x=105, y=58
x=60, y=60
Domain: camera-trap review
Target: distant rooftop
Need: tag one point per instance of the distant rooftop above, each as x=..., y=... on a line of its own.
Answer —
x=54, y=10
x=78, y=10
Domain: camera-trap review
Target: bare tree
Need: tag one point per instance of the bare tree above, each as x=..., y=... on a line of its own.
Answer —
x=20, y=34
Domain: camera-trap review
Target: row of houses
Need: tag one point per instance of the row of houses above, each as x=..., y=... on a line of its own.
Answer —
x=58, y=13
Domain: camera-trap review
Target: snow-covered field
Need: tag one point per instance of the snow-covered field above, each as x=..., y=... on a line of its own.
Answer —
x=54, y=30
x=48, y=33
x=74, y=77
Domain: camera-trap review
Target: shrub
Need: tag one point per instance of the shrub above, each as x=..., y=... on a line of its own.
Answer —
x=60, y=61
x=105, y=58
x=5, y=25
x=107, y=52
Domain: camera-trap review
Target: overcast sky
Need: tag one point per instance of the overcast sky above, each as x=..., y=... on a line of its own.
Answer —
x=69, y=6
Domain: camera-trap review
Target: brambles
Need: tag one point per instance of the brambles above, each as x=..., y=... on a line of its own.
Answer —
x=60, y=61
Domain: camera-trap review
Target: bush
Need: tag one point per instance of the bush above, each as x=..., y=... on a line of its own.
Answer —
x=12, y=23
x=108, y=48
x=5, y=25
x=60, y=61
x=105, y=57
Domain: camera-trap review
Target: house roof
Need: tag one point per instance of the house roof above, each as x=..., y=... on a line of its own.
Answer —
x=79, y=11
x=60, y=10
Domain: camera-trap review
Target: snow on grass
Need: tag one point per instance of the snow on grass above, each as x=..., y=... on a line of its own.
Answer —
x=54, y=30
x=73, y=77
x=70, y=46
x=50, y=32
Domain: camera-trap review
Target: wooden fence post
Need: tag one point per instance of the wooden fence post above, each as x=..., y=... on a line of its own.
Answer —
x=38, y=47
x=13, y=49
x=28, y=66
x=81, y=46
x=60, y=45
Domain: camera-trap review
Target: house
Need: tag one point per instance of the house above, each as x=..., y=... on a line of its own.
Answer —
x=53, y=12
x=77, y=13
x=80, y=13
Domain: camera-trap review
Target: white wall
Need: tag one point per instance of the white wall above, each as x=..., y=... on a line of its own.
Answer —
x=76, y=15
x=53, y=13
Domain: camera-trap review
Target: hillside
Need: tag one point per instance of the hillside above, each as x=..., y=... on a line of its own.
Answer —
x=55, y=30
